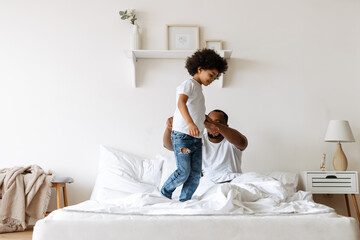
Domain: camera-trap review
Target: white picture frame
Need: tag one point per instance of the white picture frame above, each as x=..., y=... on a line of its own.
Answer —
x=182, y=37
x=214, y=44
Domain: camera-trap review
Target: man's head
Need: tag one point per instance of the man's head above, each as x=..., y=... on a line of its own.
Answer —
x=220, y=117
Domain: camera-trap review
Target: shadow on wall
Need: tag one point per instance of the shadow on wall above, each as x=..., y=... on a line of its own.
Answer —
x=237, y=68
x=336, y=201
x=167, y=73
x=151, y=73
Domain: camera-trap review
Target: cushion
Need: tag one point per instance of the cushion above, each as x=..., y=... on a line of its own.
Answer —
x=121, y=174
x=169, y=166
x=288, y=179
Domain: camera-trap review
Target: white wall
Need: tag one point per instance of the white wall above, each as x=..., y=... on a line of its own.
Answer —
x=65, y=82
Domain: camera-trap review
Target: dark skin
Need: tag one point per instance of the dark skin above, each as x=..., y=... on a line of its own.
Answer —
x=215, y=124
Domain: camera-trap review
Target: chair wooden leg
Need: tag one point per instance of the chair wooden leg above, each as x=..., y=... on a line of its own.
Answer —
x=65, y=196
x=356, y=206
x=58, y=195
x=347, y=205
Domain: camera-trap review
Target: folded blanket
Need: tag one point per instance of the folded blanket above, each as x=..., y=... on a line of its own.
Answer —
x=26, y=193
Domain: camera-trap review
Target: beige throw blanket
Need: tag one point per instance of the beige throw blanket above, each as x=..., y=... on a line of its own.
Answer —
x=25, y=193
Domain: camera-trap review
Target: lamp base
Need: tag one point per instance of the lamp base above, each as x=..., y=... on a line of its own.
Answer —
x=339, y=161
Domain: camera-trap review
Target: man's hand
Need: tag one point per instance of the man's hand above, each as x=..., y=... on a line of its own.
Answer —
x=169, y=123
x=211, y=127
x=193, y=130
x=167, y=134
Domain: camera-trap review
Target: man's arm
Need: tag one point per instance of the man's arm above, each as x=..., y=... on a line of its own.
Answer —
x=167, y=135
x=230, y=134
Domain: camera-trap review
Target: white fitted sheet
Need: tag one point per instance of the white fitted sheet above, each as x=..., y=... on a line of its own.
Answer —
x=61, y=225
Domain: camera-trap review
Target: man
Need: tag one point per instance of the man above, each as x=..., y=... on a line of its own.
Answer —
x=222, y=150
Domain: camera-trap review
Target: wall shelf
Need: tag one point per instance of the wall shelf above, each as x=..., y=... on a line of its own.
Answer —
x=166, y=54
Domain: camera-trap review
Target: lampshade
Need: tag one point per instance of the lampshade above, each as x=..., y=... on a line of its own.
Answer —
x=339, y=131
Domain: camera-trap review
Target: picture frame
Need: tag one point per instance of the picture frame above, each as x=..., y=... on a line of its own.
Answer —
x=182, y=37
x=214, y=44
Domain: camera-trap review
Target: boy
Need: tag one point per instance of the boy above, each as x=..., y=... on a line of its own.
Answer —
x=188, y=124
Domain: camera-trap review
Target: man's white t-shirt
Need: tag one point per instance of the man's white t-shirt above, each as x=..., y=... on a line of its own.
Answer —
x=195, y=105
x=220, y=160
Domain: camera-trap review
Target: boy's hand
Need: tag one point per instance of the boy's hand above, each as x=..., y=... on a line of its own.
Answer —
x=193, y=130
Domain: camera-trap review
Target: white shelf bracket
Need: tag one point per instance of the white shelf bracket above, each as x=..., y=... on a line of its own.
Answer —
x=134, y=60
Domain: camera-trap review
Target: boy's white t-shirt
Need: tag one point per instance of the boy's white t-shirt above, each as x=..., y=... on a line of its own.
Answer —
x=220, y=160
x=195, y=105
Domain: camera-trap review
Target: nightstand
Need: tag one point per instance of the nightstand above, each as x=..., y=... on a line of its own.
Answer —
x=333, y=182
x=60, y=183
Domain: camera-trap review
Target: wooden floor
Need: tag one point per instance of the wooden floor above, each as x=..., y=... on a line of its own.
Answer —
x=27, y=235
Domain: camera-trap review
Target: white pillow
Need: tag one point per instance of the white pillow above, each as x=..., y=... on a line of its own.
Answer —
x=169, y=166
x=121, y=174
x=288, y=179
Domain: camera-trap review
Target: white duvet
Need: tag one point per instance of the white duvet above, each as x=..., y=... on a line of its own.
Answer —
x=247, y=193
x=126, y=203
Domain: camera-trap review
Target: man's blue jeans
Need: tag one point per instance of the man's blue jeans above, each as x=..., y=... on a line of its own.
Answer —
x=188, y=154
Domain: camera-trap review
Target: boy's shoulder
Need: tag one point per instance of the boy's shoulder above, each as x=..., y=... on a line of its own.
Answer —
x=187, y=82
x=190, y=82
x=186, y=86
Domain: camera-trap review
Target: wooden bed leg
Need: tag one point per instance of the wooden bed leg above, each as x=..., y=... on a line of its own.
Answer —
x=356, y=206
x=347, y=205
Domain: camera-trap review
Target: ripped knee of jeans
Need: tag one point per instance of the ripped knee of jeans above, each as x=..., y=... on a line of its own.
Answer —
x=185, y=150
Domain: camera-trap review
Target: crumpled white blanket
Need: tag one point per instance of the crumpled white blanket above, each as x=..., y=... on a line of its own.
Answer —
x=248, y=193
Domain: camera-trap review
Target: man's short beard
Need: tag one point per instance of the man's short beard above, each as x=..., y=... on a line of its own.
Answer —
x=215, y=137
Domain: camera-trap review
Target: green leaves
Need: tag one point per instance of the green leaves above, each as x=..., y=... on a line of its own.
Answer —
x=130, y=13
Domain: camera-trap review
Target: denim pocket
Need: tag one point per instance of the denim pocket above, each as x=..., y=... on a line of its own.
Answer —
x=180, y=136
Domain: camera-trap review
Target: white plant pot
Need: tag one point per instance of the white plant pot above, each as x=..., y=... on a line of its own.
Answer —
x=135, y=38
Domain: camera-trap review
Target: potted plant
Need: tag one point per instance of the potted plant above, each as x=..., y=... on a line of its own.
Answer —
x=130, y=15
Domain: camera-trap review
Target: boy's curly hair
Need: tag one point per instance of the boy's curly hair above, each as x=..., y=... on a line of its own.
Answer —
x=206, y=59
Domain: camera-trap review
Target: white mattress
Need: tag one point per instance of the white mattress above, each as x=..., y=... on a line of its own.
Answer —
x=126, y=204
x=61, y=225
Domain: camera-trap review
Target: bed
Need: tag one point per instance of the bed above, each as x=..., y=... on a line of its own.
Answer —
x=126, y=204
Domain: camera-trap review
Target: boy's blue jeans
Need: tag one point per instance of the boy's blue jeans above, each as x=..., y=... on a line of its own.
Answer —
x=188, y=154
